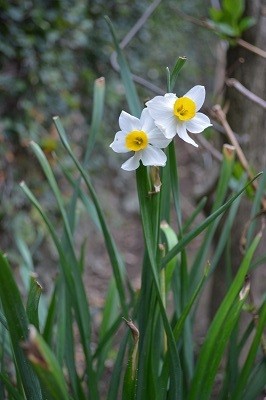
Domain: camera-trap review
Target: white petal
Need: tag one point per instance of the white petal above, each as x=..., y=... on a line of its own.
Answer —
x=182, y=133
x=146, y=121
x=198, y=123
x=157, y=139
x=161, y=105
x=153, y=156
x=128, y=123
x=167, y=125
x=132, y=163
x=118, y=144
x=197, y=94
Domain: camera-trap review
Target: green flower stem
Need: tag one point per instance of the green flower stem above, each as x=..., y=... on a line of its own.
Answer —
x=149, y=209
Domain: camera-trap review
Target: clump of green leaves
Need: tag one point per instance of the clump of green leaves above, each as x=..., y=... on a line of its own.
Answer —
x=229, y=21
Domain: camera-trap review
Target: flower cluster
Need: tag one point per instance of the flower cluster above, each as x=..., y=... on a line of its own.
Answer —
x=162, y=119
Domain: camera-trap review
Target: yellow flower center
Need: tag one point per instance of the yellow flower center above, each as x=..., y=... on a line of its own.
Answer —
x=184, y=108
x=136, y=140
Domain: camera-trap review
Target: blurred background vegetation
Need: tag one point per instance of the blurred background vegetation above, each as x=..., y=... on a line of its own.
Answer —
x=50, y=54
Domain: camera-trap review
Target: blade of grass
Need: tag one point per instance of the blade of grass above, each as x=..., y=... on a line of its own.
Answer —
x=63, y=309
x=130, y=89
x=175, y=72
x=69, y=350
x=53, y=184
x=76, y=289
x=246, y=369
x=194, y=215
x=50, y=318
x=256, y=383
x=3, y=320
x=177, y=330
x=221, y=191
x=88, y=204
x=191, y=235
x=46, y=366
x=113, y=392
x=175, y=183
x=18, y=328
x=227, y=226
x=145, y=373
x=109, y=315
x=108, y=336
x=11, y=390
x=34, y=295
x=130, y=377
x=256, y=204
x=118, y=267
x=221, y=343
x=171, y=241
x=97, y=117
x=203, y=377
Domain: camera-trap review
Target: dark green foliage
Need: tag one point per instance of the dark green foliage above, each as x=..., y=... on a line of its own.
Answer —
x=228, y=21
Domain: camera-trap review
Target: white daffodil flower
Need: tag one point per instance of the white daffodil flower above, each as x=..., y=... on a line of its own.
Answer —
x=177, y=115
x=141, y=136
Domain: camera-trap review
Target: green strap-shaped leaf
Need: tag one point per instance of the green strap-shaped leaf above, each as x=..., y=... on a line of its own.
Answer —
x=171, y=240
x=115, y=258
x=256, y=382
x=246, y=369
x=97, y=116
x=191, y=235
x=34, y=295
x=220, y=194
x=76, y=290
x=3, y=320
x=46, y=366
x=116, y=373
x=222, y=324
x=130, y=89
x=17, y=322
x=11, y=390
x=175, y=72
x=130, y=378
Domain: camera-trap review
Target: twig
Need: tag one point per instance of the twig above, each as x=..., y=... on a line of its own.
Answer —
x=242, y=89
x=207, y=25
x=210, y=148
x=140, y=22
x=220, y=115
x=251, y=47
x=129, y=36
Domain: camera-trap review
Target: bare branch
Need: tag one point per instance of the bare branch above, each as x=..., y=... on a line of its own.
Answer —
x=242, y=89
x=251, y=47
x=127, y=39
x=210, y=148
x=220, y=115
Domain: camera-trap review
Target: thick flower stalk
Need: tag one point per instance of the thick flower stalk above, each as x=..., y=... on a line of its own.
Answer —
x=142, y=137
x=177, y=115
